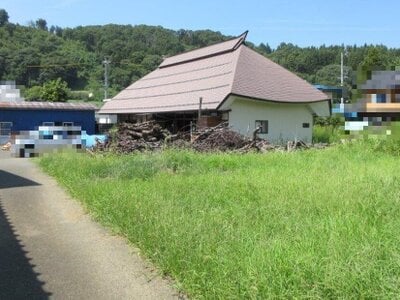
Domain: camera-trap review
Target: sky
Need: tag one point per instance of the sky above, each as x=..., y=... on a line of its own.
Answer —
x=302, y=22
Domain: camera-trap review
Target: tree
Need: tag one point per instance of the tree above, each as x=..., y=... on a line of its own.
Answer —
x=265, y=48
x=330, y=75
x=3, y=17
x=376, y=59
x=41, y=24
x=55, y=91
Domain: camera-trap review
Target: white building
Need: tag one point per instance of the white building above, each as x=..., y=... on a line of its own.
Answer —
x=234, y=83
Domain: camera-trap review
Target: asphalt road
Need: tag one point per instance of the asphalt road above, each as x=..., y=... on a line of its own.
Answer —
x=50, y=249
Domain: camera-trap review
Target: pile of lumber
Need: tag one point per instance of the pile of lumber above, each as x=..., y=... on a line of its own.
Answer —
x=150, y=136
x=218, y=138
x=138, y=137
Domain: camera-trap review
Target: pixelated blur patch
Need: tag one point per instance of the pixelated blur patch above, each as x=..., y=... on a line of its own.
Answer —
x=375, y=107
x=48, y=139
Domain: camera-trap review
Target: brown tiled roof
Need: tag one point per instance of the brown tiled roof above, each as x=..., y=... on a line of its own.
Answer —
x=260, y=78
x=213, y=73
x=46, y=105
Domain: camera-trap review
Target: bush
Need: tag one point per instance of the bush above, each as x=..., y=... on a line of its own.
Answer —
x=55, y=91
x=334, y=121
x=33, y=94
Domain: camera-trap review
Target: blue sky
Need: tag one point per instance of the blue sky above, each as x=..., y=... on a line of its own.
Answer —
x=302, y=22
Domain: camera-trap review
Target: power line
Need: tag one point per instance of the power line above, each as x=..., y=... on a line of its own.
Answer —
x=56, y=65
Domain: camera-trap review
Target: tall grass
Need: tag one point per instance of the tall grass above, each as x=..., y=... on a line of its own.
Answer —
x=312, y=224
x=327, y=134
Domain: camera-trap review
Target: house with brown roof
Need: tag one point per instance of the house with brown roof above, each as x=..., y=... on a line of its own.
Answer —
x=224, y=82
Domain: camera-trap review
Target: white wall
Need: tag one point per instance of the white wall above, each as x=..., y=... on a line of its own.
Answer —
x=106, y=119
x=285, y=121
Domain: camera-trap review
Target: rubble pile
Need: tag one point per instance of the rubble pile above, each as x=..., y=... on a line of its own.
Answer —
x=219, y=138
x=150, y=136
x=138, y=137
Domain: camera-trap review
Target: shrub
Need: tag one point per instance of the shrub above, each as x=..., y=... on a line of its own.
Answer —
x=55, y=91
x=33, y=94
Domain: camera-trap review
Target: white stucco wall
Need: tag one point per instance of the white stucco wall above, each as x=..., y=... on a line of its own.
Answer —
x=285, y=121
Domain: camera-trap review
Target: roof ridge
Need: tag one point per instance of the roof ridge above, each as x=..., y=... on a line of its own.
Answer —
x=235, y=68
x=175, y=59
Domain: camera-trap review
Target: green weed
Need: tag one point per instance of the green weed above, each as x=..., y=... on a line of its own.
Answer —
x=310, y=224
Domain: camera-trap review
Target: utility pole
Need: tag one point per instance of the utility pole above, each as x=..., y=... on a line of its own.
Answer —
x=341, y=75
x=106, y=63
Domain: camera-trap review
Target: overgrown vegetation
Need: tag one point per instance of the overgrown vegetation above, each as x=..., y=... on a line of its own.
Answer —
x=53, y=91
x=310, y=224
x=328, y=129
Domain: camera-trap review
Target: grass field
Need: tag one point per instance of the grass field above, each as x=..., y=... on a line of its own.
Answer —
x=312, y=224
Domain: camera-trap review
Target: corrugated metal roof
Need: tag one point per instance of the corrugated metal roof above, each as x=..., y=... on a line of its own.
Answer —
x=46, y=105
x=212, y=73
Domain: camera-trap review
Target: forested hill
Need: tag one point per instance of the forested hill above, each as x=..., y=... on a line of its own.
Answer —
x=35, y=54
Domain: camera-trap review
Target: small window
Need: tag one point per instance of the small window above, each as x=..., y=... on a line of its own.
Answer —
x=68, y=124
x=263, y=125
x=5, y=128
x=48, y=123
x=306, y=125
x=381, y=98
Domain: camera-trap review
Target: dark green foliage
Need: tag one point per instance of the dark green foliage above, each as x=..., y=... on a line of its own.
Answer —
x=35, y=54
x=330, y=75
x=265, y=48
x=3, y=17
x=41, y=24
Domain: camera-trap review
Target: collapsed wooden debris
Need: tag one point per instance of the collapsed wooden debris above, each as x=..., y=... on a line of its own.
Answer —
x=137, y=137
x=150, y=136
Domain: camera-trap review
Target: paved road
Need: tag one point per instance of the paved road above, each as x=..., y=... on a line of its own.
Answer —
x=49, y=248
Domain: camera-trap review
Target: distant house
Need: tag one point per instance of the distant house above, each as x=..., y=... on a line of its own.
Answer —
x=334, y=93
x=382, y=95
x=225, y=82
x=380, y=102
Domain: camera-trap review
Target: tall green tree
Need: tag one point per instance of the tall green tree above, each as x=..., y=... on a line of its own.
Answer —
x=41, y=24
x=376, y=59
x=3, y=17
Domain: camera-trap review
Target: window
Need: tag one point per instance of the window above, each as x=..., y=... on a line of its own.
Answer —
x=48, y=123
x=68, y=124
x=380, y=98
x=263, y=124
x=306, y=125
x=5, y=128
